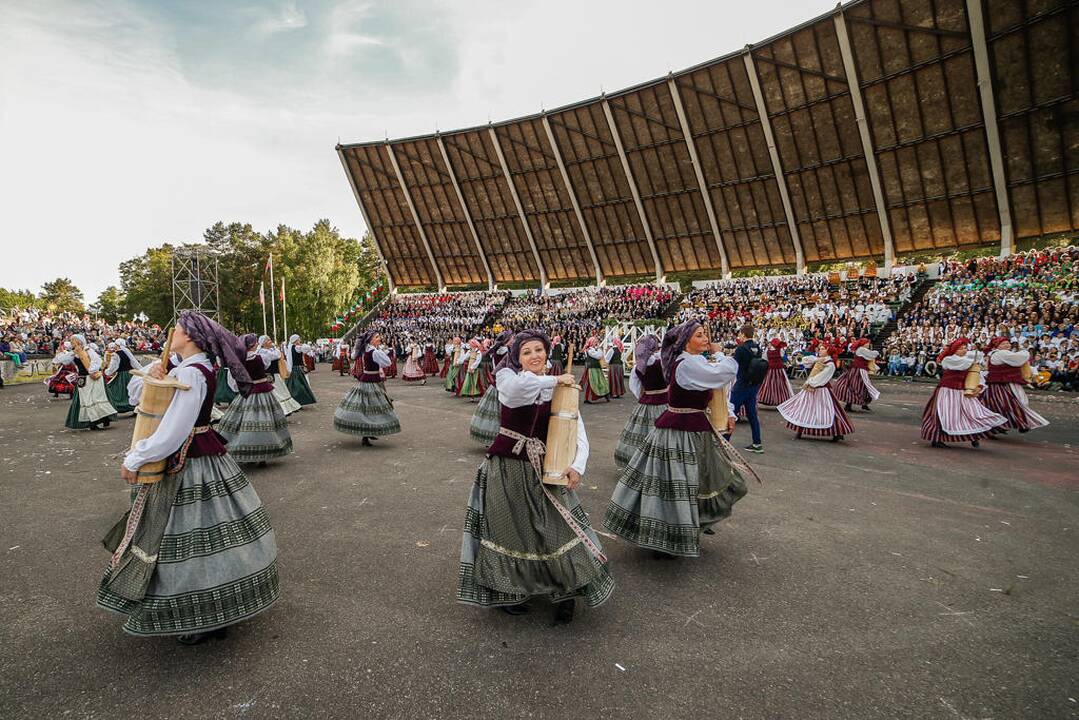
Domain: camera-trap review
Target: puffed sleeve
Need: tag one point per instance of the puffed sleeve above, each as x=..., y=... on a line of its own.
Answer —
x=517, y=389
x=821, y=379
x=955, y=362
x=175, y=425
x=95, y=361
x=1015, y=358
x=697, y=373
x=114, y=364
x=64, y=358
x=381, y=358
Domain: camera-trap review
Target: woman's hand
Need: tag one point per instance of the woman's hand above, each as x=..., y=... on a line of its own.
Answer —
x=95, y=376
x=157, y=371
x=567, y=379
x=574, y=479
x=129, y=476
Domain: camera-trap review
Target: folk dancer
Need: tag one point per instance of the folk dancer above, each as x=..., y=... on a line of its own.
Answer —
x=648, y=385
x=90, y=406
x=776, y=388
x=616, y=371
x=254, y=424
x=413, y=370
x=1004, y=392
x=854, y=386
x=594, y=380
x=815, y=411
x=367, y=410
x=271, y=358
x=952, y=416
x=298, y=386
x=484, y=425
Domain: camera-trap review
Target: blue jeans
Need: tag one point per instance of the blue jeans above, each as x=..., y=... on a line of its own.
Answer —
x=747, y=398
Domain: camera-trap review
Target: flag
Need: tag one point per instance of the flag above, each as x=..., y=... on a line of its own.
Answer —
x=262, y=294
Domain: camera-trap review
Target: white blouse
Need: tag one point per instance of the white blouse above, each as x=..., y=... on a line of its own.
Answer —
x=114, y=364
x=379, y=356
x=867, y=353
x=517, y=389
x=1015, y=358
x=956, y=362
x=178, y=420
x=820, y=379
x=696, y=372
x=68, y=357
x=635, y=385
x=268, y=355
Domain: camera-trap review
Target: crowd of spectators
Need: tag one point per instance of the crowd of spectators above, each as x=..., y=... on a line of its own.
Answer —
x=436, y=317
x=27, y=333
x=1030, y=297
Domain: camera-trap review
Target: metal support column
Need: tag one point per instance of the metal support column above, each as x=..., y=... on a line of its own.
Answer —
x=769, y=139
x=416, y=218
x=468, y=215
x=544, y=283
x=660, y=276
x=367, y=220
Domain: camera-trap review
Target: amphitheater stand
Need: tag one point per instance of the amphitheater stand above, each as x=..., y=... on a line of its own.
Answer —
x=886, y=330
x=366, y=318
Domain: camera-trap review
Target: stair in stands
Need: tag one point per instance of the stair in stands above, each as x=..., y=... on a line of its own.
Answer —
x=892, y=325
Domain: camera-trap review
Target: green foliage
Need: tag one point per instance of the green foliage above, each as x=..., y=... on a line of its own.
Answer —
x=61, y=295
x=17, y=299
x=146, y=283
x=110, y=304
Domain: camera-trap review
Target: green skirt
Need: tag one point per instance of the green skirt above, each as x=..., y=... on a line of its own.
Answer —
x=487, y=418
x=116, y=390
x=471, y=386
x=642, y=421
x=299, y=388
x=451, y=378
x=255, y=428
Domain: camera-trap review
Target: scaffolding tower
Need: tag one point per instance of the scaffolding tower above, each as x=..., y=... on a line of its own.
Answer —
x=194, y=281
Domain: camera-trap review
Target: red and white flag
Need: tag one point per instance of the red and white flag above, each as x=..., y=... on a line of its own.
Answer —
x=262, y=294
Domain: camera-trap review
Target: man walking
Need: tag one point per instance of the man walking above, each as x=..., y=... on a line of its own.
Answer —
x=751, y=371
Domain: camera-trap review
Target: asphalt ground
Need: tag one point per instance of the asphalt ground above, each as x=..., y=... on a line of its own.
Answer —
x=877, y=578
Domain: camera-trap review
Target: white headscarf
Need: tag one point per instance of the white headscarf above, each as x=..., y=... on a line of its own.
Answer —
x=292, y=340
x=122, y=344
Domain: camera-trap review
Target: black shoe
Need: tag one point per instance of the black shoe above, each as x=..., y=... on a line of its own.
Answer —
x=656, y=554
x=939, y=444
x=262, y=463
x=975, y=443
x=95, y=426
x=563, y=612
x=521, y=609
x=106, y=422
x=708, y=531
x=866, y=408
x=848, y=408
x=367, y=442
x=199, y=638
x=1022, y=431
x=837, y=438
x=798, y=435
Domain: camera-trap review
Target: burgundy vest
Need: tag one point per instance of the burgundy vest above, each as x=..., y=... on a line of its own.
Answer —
x=775, y=359
x=680, y=397
x=208, y=442
x=954, y=379
x=652, y=379
x=528, y=420
x=859, y=363
x=370, y=371
x=257, y=371
x=1004, y=373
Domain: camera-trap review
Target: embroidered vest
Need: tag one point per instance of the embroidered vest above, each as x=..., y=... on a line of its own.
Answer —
x=369, y=367
x=651, y=381
x=680, y=397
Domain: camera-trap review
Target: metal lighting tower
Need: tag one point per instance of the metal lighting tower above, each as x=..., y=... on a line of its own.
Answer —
x=194, y=281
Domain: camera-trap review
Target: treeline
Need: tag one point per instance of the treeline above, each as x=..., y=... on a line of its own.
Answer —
x=323, y=273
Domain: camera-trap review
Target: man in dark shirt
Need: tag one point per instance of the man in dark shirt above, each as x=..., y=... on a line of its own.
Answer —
x=743, y=394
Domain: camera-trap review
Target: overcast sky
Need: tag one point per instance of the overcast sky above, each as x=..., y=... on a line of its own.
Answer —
x=131, y=123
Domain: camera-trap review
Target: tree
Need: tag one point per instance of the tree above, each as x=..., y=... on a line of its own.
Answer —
x=110, y=304
x=17, y=299
x=146, y=282
x=61, y=295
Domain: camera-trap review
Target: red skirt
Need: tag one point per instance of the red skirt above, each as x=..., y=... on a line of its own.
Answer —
x=854, y=387
x=775, y=389
x=1008, y=399
x=966, y=413
x=338, y=363
x=557, y=368
x=460, y=380
x=59, y=383
x=811, y=407
x=445, y=368
x=391, y=371
x=616, y=378
x=430, y=363
x=309, y=363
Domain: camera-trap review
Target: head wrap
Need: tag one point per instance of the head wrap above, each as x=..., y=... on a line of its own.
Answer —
x=644, y=349
x=362, y=341
x=474, y=343
x=778, y=344
x=262, y=339
x=619, y=344
x=674, y=342
x=80, y=338
x=249, y=340
x=292, y=340
x=591, y=342
x=952, y=347
x=215, y=339
x=501, y=342
x=995, y=343
x=556, y=339
x=860, y=342
x=513, y=358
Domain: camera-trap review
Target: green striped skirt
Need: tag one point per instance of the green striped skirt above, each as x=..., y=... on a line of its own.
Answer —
x=516, y=545
x=677, y=484
x=366, y=411
x=116, y=391
x=486, y=419
x=471, y=386
x=255, y=428
x=216, y=561
x=641, y=422
x=451, y=378
x=300, y=388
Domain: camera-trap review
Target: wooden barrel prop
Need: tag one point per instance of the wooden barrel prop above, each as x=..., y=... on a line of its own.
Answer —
x=1028, y=372
x=156, y=397
x=973, y=381
x=873, y=369
x=718, y=412
x=562, y=429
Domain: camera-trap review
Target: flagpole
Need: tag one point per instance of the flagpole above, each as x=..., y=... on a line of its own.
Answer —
x=273, y=302
x=284, y=308
x=262, y=302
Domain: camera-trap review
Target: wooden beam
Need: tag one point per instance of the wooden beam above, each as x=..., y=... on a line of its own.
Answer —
x=660, y=275
x=416, y=219
x=544, y=283
x=366, y=219
x=468, y=215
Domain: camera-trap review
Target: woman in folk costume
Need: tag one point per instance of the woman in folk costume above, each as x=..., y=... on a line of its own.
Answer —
x=455, y=356
x=854, y=387
x=952, y=416
x=90, y=406
x=487, y=365
x=341, y=363
x=254, y=424
x=815, y=411
x=616, y=371
x=196, y=552
x=522, y=538
x=686, y=477
x=122, y=362
x=413, y=370
x=1004, y=392
x=62, y=382
x=308, y=352
x=390, y=371
x=594, y=380
x=367, y=410
x=558, y=355
x=430, y=362
x=447, y=359
x=473, y=385
x=484, y=426
x=297, y=384
x=776, y=388
x=271, y=359
x=463, y=361
x=650, y=388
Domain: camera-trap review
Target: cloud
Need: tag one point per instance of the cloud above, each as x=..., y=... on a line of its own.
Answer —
x=288, y=17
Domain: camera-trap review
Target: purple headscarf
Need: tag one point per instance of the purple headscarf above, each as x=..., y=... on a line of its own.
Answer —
x=362, y=341
x=513, y=357
x=213, y=338
x=501, y=341
x=643, y=350
x=674, y=342
x=249, y=340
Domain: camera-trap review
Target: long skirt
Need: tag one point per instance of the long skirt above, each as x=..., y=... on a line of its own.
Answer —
x=445, y=368
x=776, y=388
x=299, y=387
x=366, y=411
x=391, y=369
x=430, y=362
x=89, y=404
x=223, y=393
x=594, y=383
x=557, y=368
x=1010, y=400
x=516, y=545
x=280, y=391
x=642, y=421
x=214, y=556
x=451, y=378
x=473, y=384
x=462, y=373
x=486, y=419
x=255, y=428
x=616, y=375
x=59, y=383
x=413, y=372
x=338, y=364
x=951, y=416
x=677, y=484
x=855, y=388
x=816, y=413
x=116, y=391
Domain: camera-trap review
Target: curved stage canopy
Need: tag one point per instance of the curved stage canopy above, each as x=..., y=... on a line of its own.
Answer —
x=882, y=128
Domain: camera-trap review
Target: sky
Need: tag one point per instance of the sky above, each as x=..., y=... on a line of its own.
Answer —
x=126, y=124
